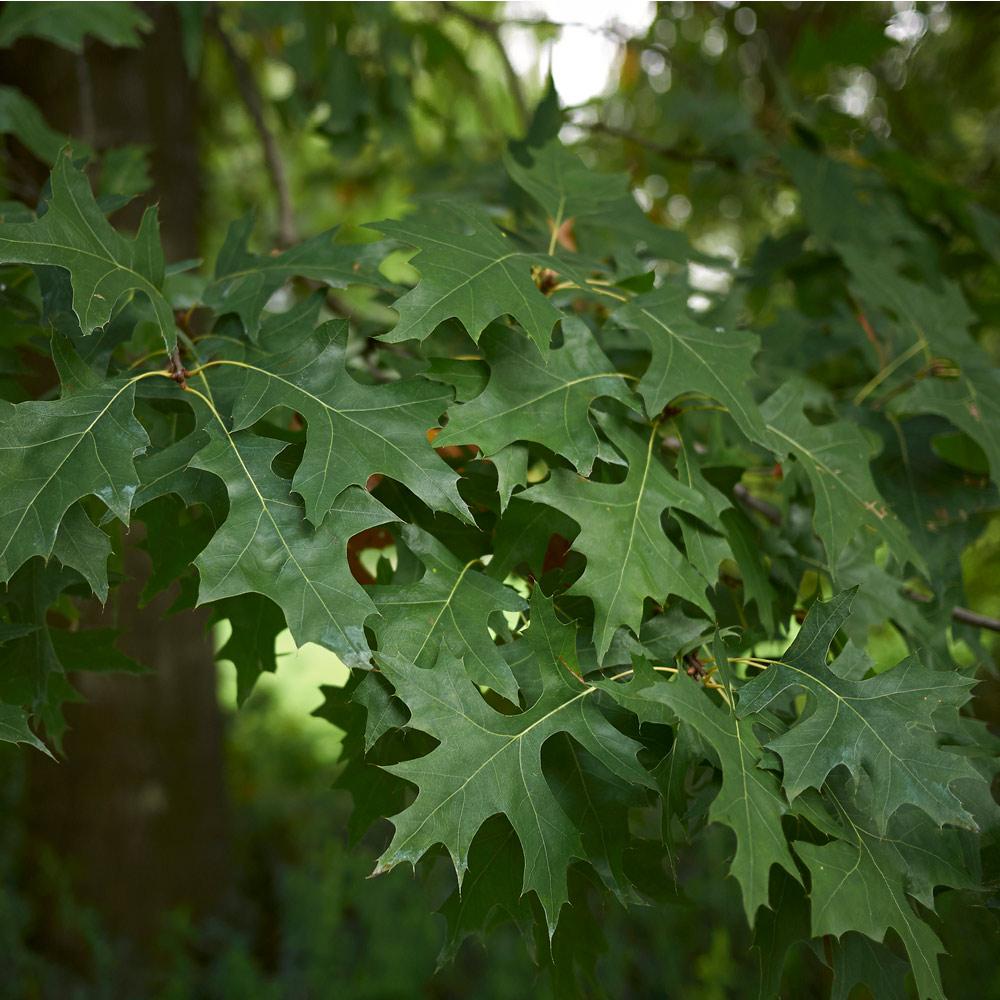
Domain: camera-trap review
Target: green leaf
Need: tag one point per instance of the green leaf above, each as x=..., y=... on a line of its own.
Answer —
x=355, y=431
x=32, y=671
x=629, y=557
x=104, y=266
x=599, y=207
x=116, y=24
x=21, y=118
x=471, y=271
x=383, y=710
x=881, y=727
x=54, y=454
x=490, y=892
x=859, y=884
x=563, y=185
x=858, y=959
x=932, y=321
x=93, y=650
x=14, y=728
x=256, y=621
x=836, y=458
x=547, y=402
x=511, y=464
x=447, y=608
x=266, y=547
x=688, y=357
x=82, y=546
x=487, y=762
x=777, y=932
x=971, y=403
x=244, y=282
x=749, y=801
x=10, y=631
x=705, y=548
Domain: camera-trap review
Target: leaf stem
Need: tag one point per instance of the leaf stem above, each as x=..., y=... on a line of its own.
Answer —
x=564, y=285
x=873, y=383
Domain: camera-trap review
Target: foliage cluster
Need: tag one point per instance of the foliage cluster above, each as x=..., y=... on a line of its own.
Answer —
x=611, y=559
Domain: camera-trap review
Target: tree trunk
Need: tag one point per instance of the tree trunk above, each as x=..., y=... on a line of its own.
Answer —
x=138, y=808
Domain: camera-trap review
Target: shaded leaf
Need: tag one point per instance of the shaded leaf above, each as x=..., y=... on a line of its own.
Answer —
x=448, y=608
x=104, y=266
x=244, y=281
x=689, y=357
x=265, y=546
x=547, y=402
x=835, y=457
x=749, y=801
x=55, y=453
x=471, y=271
x=487, y=763
x=880, y=727
x=355, y=431
x=629, y=557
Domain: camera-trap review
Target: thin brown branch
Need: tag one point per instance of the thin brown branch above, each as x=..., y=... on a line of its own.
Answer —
x=963, y=616
x=762, y=507
x=660, y=149
x=251, y=97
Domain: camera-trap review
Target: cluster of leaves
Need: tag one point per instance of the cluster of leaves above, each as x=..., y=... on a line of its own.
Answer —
x=571, y=535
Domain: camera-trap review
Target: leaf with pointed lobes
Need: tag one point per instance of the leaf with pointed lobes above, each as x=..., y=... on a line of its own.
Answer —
x=689, y=357
x=933, y=322
x=511, y=464
x=114, y=24
x=57, y=452
x=860, y=879
x=14, y=728
x=547, y=402
x=82, y=546
x=749, y=801
x=104, y=266
x=598, y=209
x=355, y=431
x=255, y=623
x=488, y=763
x=490, y=893
x=471, y=271
x=265, y=546
x=20, y=117
x=245, y=281
x=629, y=557
x=971, y=402
x=448, y=608
x=881, y=728
x=836, y=459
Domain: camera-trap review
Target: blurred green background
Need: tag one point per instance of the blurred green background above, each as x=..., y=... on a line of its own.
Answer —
x=189, y=849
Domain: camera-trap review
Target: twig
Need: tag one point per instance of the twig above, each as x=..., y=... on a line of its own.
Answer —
x=768, y=510
x=973, y=618
x=251, y=96
x=667, y=152
x=491, y=29
x=176, y=369
x=964, y=616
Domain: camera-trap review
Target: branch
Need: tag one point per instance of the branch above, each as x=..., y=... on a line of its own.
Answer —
x=962, y=615
x=492, y=31
x=768, y=510
x=250, y=93
x=667, y=152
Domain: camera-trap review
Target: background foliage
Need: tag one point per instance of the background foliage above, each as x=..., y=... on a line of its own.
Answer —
x=813, y=191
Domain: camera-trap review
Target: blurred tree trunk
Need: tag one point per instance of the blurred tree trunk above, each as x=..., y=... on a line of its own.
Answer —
x=138, y=807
